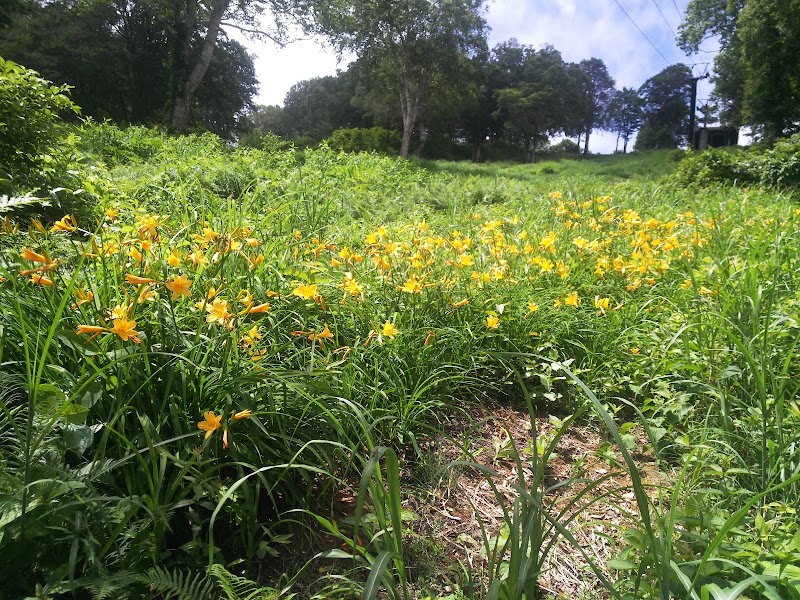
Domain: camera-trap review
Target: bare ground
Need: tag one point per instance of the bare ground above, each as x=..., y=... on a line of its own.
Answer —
x=452, y=505
x=452, y=510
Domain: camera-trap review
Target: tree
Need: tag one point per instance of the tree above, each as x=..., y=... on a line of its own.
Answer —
x=477, y=122
x=116, y=57
x=625, y=114
x=413, y=47
x=9, y=9
x=533, y=105
x=597, y=89
x=192, y=32
x=191, y=24
x=757, y=74
x=315, y=108
x=225, y=94
x=666, y=98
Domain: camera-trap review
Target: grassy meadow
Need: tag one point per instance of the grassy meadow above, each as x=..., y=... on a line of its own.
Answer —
x=234, y=376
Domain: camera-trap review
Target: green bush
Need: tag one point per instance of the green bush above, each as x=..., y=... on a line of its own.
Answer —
x=375, y=139
x=565, y=146
x=778, y=166
x=781, y=165
x=266, y=140
x=43, y=171
x=714, y=166
x=30, y=109
x=115, y=145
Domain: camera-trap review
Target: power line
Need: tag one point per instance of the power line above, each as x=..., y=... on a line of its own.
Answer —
x=642, y=32
x=658, y=8
x=678, y=10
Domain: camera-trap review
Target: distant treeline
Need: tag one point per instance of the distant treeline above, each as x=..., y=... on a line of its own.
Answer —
x=424, y=74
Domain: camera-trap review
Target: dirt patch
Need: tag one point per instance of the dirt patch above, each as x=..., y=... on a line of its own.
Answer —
x=454, y=506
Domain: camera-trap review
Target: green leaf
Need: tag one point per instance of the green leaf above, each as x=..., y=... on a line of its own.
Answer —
x=74, y=414
x=91, y=395
x=49, y=399
x=78, y=437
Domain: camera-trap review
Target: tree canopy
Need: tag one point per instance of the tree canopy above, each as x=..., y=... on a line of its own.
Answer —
x=117, y=57
x=757, y=74
x=597, y=88
x=533, y=105
x=412, y=48
x=625, y=114
x=666, y=99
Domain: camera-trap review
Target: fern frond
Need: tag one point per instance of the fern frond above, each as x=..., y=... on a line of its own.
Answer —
x=12, y=203
x=116, y=585
x=176, y=584
x=13, y=413
x=241, y=588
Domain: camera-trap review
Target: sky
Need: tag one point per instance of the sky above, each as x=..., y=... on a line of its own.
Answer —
x=579, y=29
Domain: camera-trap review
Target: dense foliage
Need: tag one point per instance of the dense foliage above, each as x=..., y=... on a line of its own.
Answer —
x=30, y=112
x=513, y=99
x=116, y=57
x=756, y=71
x=776, y=167
x=665, y=107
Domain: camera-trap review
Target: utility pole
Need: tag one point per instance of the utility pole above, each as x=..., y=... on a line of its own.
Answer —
x=692, y=109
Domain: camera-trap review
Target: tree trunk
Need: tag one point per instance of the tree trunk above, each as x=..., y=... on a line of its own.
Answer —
x=478, y=151
x=182, y=103
x=586, y=144
x=423, y=137
x=409, y=108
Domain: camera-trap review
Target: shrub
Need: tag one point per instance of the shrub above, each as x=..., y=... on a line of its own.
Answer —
x=781, y=164
x=29, y=115
x=115, y=145
x=565, y=146
x=778, y=166
x=41, y=164
x=356, y=139
x=714, y=166
x=267, y=141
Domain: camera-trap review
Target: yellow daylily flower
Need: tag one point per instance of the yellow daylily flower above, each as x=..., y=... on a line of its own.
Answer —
x=306, y=291
x=325, y=334
x=32, y=256
x=179, y=286
x=136, y=280
x=388, y=329
x=572, y=299
x=210, y=423
x=40, y=279
x=174, y=259
x=125, y=329
x=68, y=223
x=217, y=311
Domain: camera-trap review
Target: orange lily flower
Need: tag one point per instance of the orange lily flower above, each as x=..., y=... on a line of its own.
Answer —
x=210, y=423
x=125, y=329
x=41, y=279
x=32, y=256
x=68, y=223
x=136, y=280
